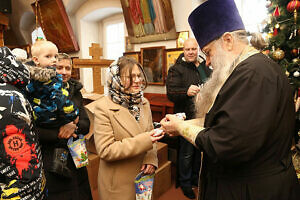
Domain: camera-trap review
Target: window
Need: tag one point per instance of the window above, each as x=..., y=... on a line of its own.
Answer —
x=253, y=13
x=114, y=43
x=37, y=33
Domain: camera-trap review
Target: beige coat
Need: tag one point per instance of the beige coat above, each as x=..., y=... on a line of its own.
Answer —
x=124, y=146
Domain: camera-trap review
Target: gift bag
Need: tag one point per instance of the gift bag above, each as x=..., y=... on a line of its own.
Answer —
x=144, y=186
x=78, y=151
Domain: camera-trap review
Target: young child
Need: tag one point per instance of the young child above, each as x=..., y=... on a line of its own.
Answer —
x=50, y=102
x=52, y=108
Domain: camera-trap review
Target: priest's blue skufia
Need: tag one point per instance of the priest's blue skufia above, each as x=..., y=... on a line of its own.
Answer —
x=213, y=18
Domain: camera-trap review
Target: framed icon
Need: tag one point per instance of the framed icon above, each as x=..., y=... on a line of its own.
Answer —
x=171, y=57
x=153, y=62
x=182, y=36
x=134, y=54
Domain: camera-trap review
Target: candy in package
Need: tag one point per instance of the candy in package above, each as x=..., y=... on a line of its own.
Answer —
x=78, y=151
x=158, y=132
x=181, y=115
x=144, y=186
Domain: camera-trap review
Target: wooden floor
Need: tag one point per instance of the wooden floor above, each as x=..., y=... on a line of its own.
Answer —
x=174, y=193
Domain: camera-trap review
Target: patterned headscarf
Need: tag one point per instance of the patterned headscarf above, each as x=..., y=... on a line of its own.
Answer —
x=118, y=94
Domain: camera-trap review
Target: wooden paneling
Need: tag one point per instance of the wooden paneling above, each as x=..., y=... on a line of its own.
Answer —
x=162, y=180
x=55, y=23
x=160, y=105
x=3, y=25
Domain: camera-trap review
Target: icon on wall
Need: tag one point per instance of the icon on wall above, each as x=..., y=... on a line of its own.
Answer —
x=182, y=36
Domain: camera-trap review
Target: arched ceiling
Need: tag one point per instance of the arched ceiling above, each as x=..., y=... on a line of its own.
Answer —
x=73, y=5
x=22, y=19
x=102, y=13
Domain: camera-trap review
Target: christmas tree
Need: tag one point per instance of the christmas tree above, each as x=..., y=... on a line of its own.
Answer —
x=283, y=33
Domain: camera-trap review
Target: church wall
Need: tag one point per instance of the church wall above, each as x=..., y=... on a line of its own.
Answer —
x=88, y=36
x=88, y=32
x=118, y=18
x=86, y=8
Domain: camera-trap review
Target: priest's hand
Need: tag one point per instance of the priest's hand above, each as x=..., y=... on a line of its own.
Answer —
x=170, y=124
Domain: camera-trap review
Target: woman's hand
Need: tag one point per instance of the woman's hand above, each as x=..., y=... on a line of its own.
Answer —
x=170, y=124
x=68, y=130
x=156, y=134
x=148, y=169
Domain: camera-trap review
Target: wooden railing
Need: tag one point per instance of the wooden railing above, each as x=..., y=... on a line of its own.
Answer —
x=160, y=105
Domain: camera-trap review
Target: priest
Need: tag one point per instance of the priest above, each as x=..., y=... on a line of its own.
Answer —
x=248, y=112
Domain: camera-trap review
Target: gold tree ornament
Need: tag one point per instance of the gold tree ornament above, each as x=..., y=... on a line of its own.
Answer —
x=296, y=60
x=282, y=26
x=278, y=54
x=296, y=74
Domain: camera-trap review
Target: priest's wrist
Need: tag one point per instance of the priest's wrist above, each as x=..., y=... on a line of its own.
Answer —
x=188, y=131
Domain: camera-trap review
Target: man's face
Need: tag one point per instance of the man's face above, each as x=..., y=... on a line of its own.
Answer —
x=190, y=51
x=64, y=68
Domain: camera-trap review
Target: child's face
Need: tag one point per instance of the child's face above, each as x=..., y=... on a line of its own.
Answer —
x=47, y=56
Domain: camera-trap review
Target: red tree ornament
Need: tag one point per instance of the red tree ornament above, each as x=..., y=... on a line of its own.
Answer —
x=293, y=5
x=276, y=12
x=294, y=52
x=275, y=32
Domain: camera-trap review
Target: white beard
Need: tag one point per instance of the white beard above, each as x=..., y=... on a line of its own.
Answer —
x=222, y=63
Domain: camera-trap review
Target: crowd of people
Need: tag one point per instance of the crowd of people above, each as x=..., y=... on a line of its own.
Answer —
x=239, y=126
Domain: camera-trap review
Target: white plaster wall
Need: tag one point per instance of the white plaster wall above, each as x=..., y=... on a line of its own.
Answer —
x=100, y=34
x=118, y=18
x=88, y=7
x=87, y=32
x=88, y=36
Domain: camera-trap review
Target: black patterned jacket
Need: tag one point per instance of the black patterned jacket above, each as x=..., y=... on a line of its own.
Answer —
x=21, y=174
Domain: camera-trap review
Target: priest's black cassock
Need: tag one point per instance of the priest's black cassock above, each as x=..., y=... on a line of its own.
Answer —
x=248, y=134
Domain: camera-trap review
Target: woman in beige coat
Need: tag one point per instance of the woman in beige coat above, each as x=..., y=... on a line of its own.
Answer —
x=124, y=134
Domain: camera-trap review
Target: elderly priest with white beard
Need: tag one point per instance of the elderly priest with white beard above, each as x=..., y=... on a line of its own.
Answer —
x=249, y=113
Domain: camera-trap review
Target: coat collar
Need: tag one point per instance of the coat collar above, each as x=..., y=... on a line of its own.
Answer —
x=127, y=120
